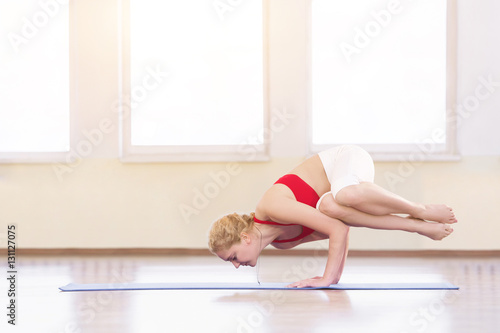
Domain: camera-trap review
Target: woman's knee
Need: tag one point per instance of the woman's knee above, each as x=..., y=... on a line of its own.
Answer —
x=351, y=195
x=329, y=207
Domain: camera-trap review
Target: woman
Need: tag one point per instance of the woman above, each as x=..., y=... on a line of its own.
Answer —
x=320, y=199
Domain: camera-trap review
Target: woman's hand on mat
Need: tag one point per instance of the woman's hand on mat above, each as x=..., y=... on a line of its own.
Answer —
x=314, y=282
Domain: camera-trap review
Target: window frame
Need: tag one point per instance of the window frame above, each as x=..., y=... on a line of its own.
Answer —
x=62, y=156
x=403, y=152
x=184, y=153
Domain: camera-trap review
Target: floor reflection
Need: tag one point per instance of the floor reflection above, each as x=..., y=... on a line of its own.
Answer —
x=42, y=308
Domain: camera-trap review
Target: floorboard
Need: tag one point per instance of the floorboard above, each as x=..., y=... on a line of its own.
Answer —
x=41, y=307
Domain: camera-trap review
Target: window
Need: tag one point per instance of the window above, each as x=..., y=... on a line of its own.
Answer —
x=382, y=75
x=193, y=86
x=34, y=81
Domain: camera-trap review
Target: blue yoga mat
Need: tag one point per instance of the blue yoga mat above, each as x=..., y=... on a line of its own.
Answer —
x=252, y=286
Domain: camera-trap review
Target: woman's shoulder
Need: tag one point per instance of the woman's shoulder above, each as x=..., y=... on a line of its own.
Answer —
x=269, y=202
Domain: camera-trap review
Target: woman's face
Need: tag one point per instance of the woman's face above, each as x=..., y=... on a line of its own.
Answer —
x=244, y=253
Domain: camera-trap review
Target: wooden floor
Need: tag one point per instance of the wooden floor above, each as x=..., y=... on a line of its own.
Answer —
x=41, y=307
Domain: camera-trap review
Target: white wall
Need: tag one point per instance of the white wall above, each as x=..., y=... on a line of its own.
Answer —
x=103, y=203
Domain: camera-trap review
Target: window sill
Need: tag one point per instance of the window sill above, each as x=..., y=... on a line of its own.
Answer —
x=410, y=157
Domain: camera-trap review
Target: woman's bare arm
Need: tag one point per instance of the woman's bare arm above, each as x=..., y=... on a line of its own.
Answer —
x=286, y=210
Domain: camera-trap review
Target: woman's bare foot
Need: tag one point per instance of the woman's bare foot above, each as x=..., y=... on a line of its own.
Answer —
x=435, y=231
x=436, y=213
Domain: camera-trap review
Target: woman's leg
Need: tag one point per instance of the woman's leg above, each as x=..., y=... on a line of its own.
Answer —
x=356, y=218
x=375, y=200
x=351, y=172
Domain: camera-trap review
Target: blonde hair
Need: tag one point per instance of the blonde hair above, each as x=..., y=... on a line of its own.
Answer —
x=226, y=231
